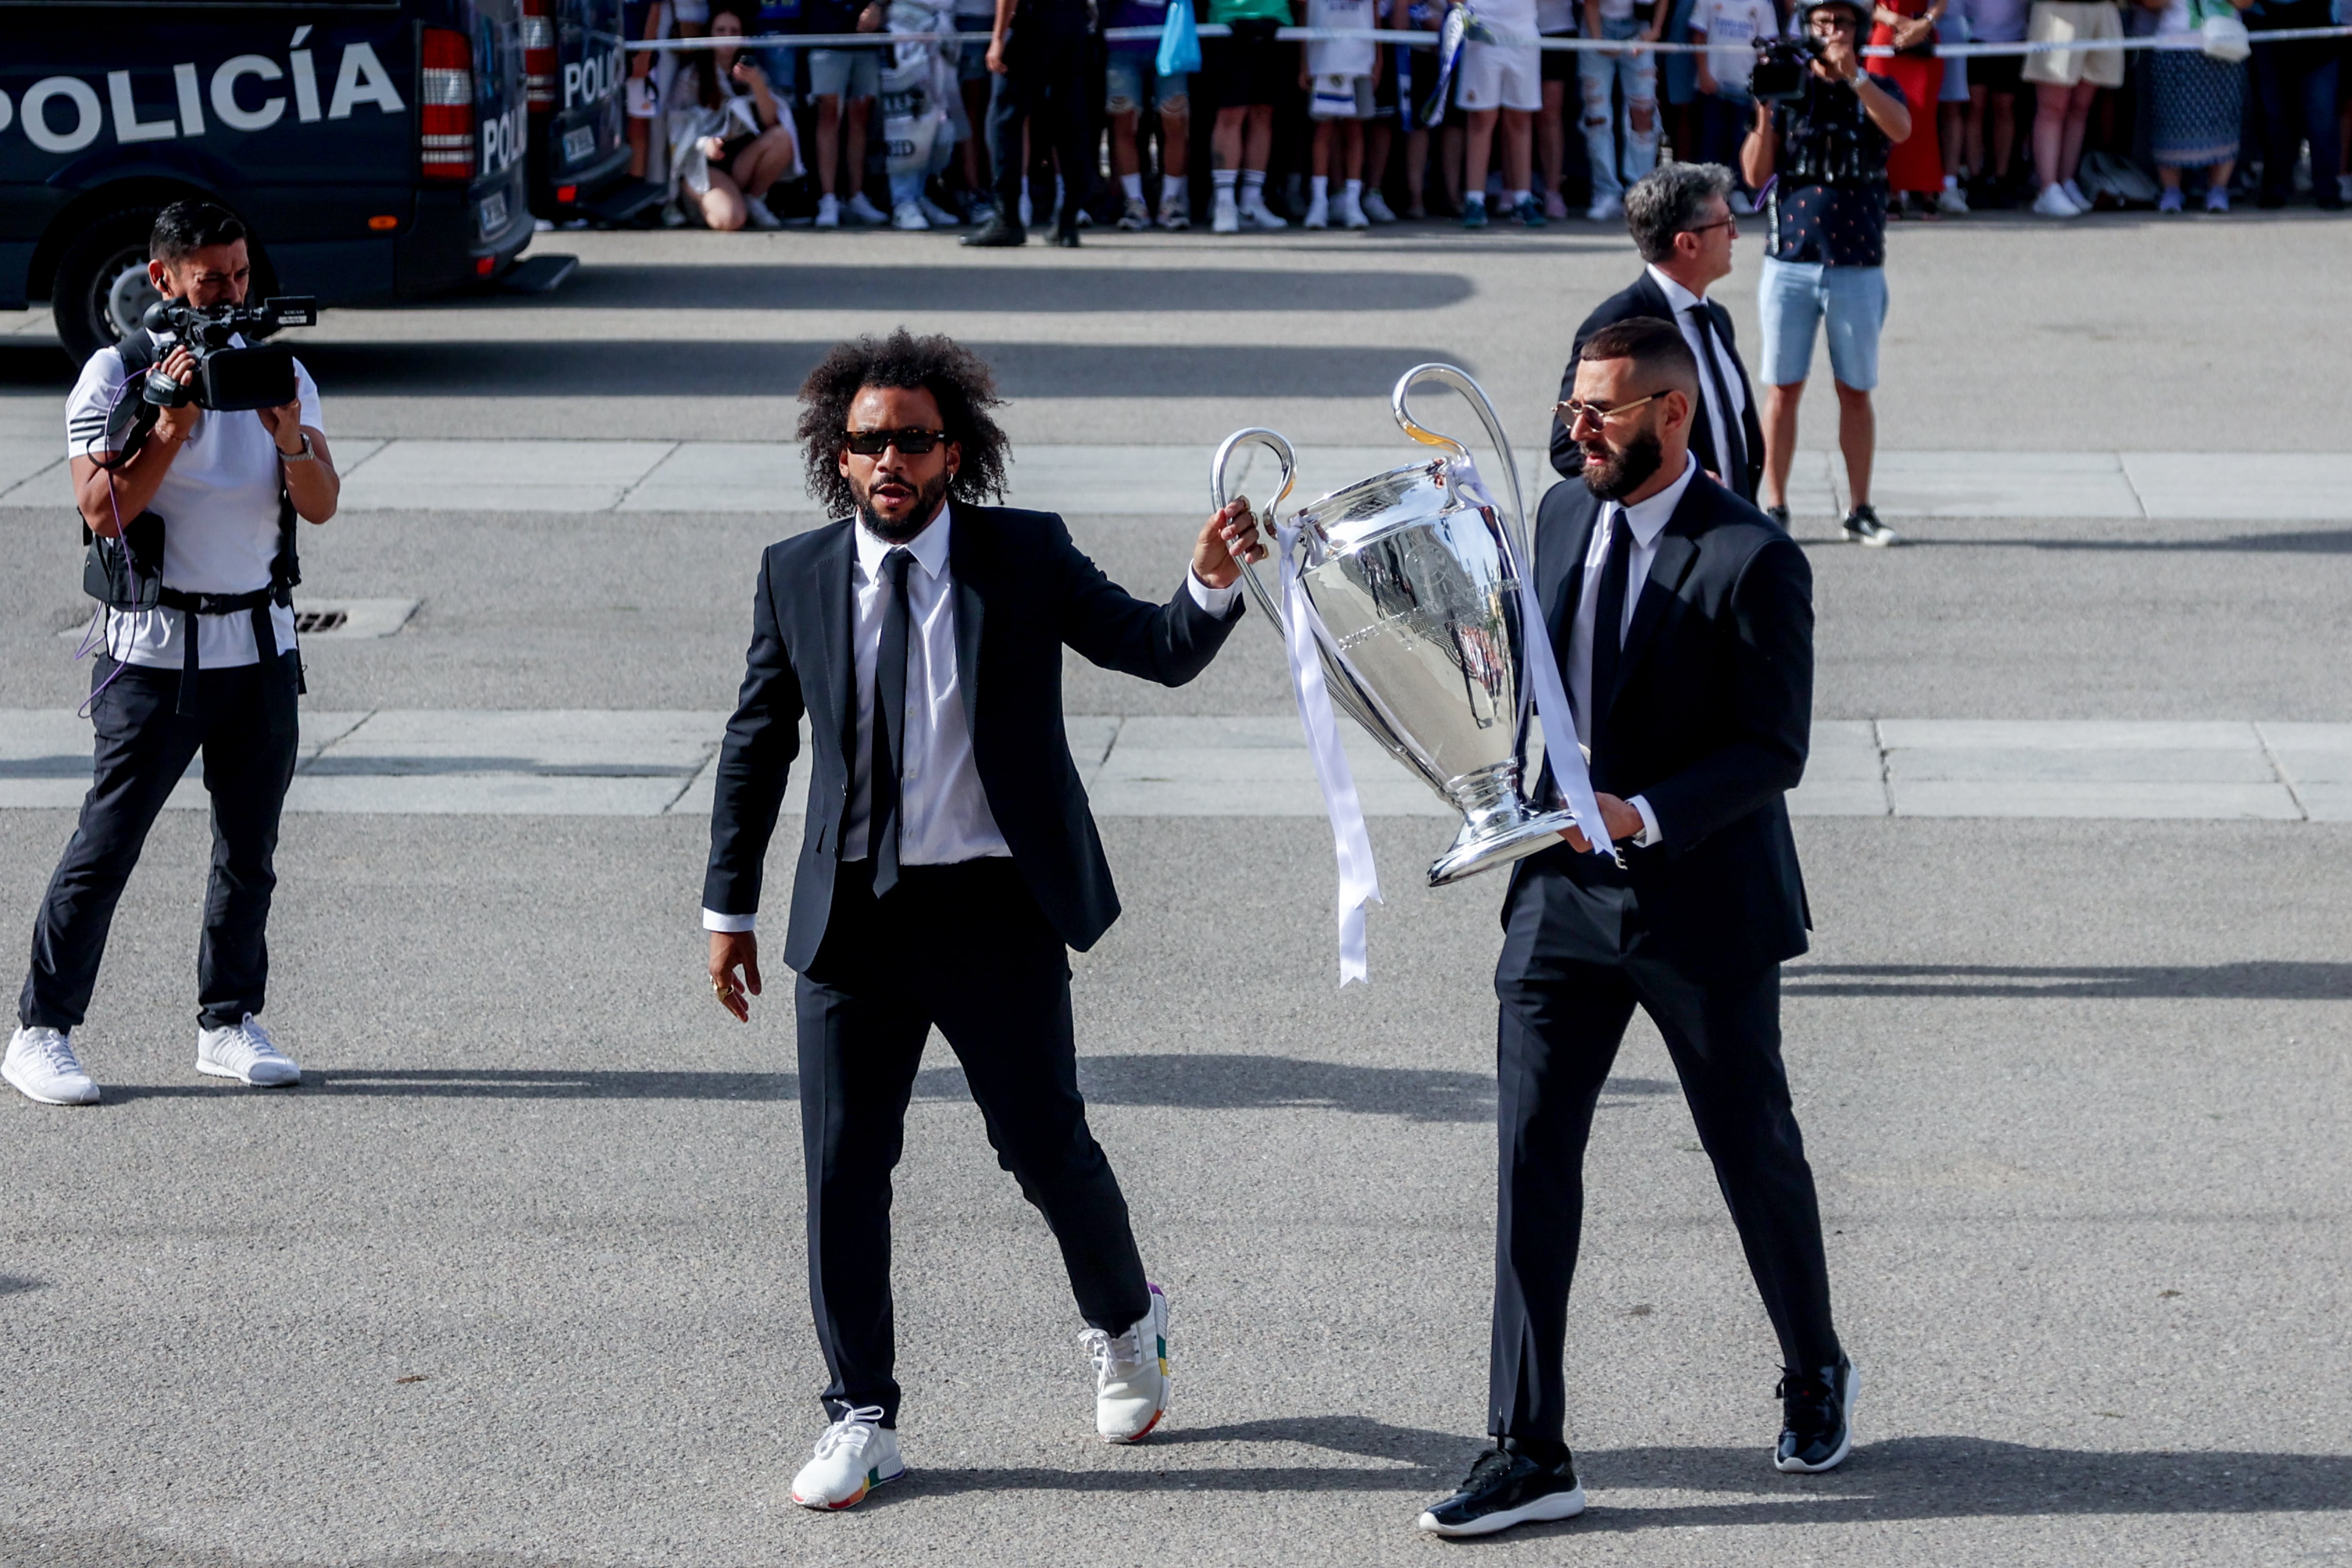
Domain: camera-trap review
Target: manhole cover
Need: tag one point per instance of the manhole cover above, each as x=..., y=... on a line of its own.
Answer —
x=308, y=621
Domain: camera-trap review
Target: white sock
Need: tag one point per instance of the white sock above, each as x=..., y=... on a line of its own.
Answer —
x=1513, y=198
x=1474, y=198
x=1319, y=185
x=1951, y=181
x=1223, y=179
x=1253, y=187
x=1133, y=185
x=1355, y=188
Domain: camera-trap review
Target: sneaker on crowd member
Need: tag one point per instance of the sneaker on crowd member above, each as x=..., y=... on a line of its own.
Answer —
x=1862, y=526
x=1607, y=209
x=860, y=210
x=908, y=216
x=41, y=1065
x=1318, y=207
x=1131, y=1380
x=977, y=207
x=1352, y=206
x=2074, y=193
x=1225, y=216
x=673, y=215
x=2171, y=200
x=1376, y=207
x=756, y=214
x=995, y=233
x=1817, y=1418
x=828, y=211
x=245, y=1052
x=2216, y=198
x=1529, y=211
x=1555, y=208
x=1515, y=1482
x=1135, y=216
x=855, y=1455
x=940, y=217
x=1255, y=212
x=1951, y=201
x=1474, y=210
x=1175, y=208
x=2052, y=202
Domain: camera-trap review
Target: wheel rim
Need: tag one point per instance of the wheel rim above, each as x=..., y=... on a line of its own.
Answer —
x=121, y=292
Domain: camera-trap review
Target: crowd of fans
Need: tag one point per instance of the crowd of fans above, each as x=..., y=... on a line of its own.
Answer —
x=1334, y=133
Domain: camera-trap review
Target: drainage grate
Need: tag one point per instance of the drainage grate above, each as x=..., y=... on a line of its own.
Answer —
x=308, y=621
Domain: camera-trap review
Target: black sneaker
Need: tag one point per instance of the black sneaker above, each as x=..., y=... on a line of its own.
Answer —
x=1504, y=1488
x=1862, y=526
x=1779, y=514
x=1816, y=1418
x=999, y=230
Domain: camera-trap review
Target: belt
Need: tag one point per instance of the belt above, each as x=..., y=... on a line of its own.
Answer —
x=265, y=639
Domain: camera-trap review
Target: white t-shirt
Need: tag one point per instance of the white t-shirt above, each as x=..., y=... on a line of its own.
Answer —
x=1554, y=17
x=219, y=506
x=1512, y=19
x=1999, y=21
x=1732, y=27
x=1341, y=57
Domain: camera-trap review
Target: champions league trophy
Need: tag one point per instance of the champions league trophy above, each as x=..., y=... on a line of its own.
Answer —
x=1413, y=590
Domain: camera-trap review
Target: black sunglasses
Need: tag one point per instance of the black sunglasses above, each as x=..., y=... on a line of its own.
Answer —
x=911, y=443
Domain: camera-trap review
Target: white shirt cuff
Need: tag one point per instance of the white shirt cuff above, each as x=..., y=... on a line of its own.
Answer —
x=1217, y=602
x=713, y=921
x=1649, y=834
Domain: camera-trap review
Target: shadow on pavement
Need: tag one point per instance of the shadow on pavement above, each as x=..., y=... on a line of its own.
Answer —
x=1056, y=290
x=1206, y=1082
x=1919, y=1477
x=2258, y=980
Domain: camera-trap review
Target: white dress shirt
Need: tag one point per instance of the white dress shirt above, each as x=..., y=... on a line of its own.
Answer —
x=943, y=815
x=1721, y=421
x=1648, y=519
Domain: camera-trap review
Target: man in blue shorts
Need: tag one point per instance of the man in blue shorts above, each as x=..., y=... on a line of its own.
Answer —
x=1825, y=250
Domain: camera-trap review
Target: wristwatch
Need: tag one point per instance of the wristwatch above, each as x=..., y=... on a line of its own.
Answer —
x=305, y=456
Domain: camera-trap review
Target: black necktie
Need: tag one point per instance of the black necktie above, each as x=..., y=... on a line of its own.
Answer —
x=1608, y=622
x=1730, y=441
x=889, y=726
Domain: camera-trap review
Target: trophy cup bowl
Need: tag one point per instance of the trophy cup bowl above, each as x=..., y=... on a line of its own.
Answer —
x=1410, y=580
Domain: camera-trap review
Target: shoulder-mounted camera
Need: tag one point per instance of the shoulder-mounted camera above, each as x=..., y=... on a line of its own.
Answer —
x=227, y=377
x=1781, y=68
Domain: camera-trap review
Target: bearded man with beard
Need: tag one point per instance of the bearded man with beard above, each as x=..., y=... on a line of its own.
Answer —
x=948, y=861
x=1683, y=620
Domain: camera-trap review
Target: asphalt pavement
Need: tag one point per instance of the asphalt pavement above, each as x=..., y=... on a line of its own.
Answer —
x=516, y=1279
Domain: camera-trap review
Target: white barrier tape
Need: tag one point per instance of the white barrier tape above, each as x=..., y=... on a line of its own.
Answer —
x=1351, y=841
x=1429, y=40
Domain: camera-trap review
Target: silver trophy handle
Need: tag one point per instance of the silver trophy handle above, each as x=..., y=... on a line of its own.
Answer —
x=1459, y=379
x=1256, y=437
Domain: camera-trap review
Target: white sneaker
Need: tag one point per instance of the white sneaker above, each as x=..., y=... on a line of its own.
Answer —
x=860, y=210
x=855, y=1455
x=828, y=211
x=1261, y=215
x=1952, y=202
x=1608, y=210
x=42, y=1066
x=246, y=1054
x=1351, y=212
x=673, y=215
x=2074, y=193
x=2052, y=202
x=1319, y=213
x=755, y=209
x=908, y=216
x=940, y=217
x=1131, y=1374
x=1377, y=208
x=1175, y=208
x=1134, y=216
x=1226, y=218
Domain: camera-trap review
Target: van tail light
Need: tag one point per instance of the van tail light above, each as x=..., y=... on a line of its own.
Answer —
x=445, y=111
x=538, y=54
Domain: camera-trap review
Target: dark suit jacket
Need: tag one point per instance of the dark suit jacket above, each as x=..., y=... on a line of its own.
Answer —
x=1644, y=298
x=1709, y=722
x=1022, y=590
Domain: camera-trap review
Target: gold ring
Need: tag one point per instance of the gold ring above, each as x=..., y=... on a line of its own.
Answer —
x=720, y=988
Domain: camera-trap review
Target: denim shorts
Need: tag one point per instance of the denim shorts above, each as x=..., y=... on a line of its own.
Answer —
x=1131, y=81
x=1795, y=297
x=971, y=60
x=845, y=73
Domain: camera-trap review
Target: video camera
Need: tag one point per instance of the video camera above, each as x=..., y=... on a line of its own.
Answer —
x=1781, y=67
x=225, y=378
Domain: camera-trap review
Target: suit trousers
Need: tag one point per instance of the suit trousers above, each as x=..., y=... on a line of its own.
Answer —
x=1559, y=1030
x=246, y=728
x=966, y=948
x=1044, y=87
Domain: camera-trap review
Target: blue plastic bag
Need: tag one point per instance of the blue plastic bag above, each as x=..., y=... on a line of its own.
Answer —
x=1180, y=41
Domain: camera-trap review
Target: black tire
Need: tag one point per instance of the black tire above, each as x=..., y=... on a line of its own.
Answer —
x=87, y=272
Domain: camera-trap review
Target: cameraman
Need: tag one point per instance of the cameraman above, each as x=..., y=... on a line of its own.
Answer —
x=1825, y=249
x=216, y=480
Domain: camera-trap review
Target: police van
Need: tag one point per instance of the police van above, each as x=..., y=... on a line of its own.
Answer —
x=574, y=68
x=377, y=151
